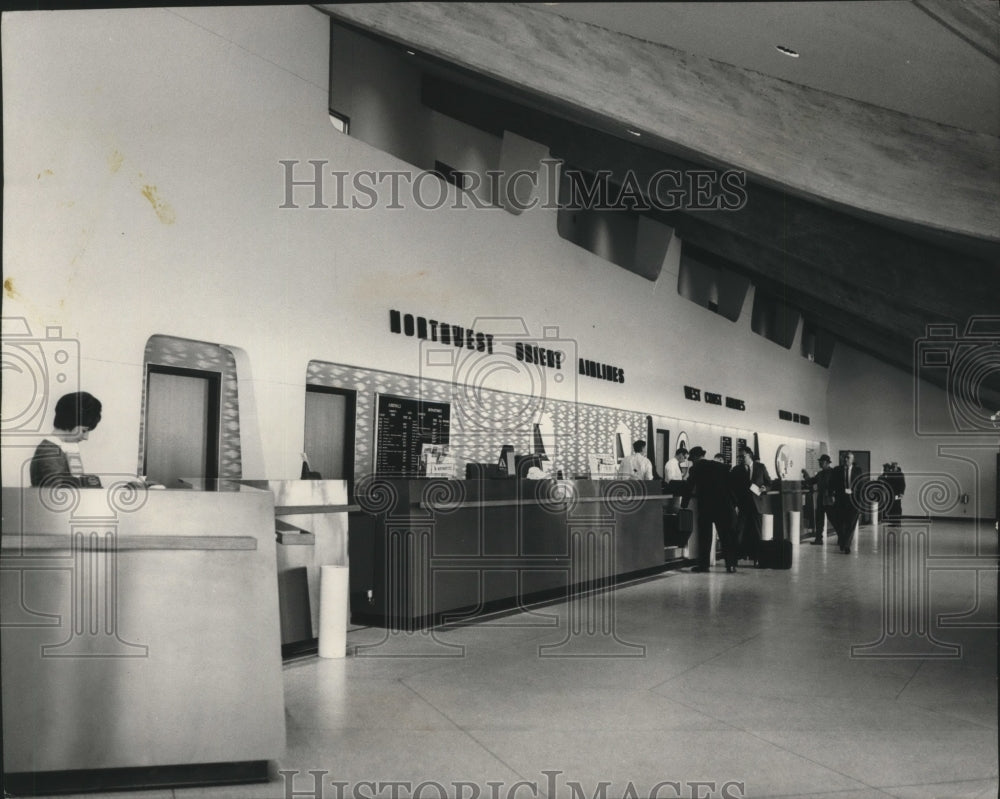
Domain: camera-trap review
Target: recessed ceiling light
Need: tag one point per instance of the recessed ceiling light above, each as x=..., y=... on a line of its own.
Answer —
x=410, y=52
x=633, y=132
x=788, y=51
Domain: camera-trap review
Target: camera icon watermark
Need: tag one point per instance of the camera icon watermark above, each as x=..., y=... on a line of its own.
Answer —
x=504, y=376
x=38, y=368
x=957, y=379
x=930, y=583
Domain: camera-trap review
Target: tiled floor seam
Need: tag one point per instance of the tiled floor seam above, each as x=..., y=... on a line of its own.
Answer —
x=948, y=783
x=700, y=664
x=746, y=731
x=906, y=685
x=430, y=704
x=941, y=712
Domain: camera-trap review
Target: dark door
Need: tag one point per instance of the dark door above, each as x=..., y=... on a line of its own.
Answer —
x=328, y=440
x=181, y=424
x=663, y=453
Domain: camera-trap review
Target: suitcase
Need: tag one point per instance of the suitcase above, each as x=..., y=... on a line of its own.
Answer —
x=774, y=554
x=677, y=527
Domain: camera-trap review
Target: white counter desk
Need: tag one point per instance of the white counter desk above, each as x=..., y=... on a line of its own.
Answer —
x=141, y=644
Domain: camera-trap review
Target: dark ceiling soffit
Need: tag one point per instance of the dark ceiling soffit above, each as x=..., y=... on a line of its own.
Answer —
x=905, y=270
x=488, y=106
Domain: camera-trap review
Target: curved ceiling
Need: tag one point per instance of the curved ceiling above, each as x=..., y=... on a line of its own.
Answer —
x=828, y=148
x=926, y=58
x=874, y=203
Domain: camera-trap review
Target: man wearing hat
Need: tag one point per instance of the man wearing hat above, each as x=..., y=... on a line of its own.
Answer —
x=708, y=481
x=824, y=496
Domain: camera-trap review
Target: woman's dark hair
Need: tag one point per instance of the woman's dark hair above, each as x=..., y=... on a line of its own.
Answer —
x=78, y=408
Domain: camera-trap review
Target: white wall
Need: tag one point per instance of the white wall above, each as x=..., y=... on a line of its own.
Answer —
x=142, y=196
x=872, y=406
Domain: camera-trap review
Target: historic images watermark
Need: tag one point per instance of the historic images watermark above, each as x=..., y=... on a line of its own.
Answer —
x=311, y=184
x=520, y=391
x=314, y=784
x=37, y=370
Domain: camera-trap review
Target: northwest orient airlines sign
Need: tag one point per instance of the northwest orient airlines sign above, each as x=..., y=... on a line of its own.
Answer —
x=533, y=352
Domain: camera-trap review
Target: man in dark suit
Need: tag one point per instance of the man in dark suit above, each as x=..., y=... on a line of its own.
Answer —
x=708, y=481
x=897, y=485
x=750, y=481
x=824, y=500
x=846, y=482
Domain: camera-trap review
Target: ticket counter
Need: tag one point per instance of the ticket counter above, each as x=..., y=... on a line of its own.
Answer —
x=783, y=511
x=429, y=551
x=141, y=643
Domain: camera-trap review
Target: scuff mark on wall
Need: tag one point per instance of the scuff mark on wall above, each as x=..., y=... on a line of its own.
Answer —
x=8, y=287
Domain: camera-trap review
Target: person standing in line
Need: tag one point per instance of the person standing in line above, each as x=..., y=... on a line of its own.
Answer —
x=897, y=485
x=750, y=482
x=846, y=481
x=708, y=482
x=885, y=479
x=636, y=466
x=824, y=497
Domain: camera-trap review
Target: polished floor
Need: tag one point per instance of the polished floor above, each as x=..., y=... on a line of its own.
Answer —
x=854, y=676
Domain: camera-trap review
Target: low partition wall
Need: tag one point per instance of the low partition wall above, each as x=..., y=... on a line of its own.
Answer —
x=141, y=645
x=425, y=552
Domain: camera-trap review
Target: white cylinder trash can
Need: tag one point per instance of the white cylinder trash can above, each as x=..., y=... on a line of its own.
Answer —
x=334, y=599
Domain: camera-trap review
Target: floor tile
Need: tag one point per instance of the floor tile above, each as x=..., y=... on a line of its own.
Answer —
x=648, y=758
x=326, y=703
x=904, y=757
x=622, y=709
x=746, y=679
x=967, y=789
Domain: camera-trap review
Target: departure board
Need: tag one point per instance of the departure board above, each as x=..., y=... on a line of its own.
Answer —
x=402, y=427
x=726, y=448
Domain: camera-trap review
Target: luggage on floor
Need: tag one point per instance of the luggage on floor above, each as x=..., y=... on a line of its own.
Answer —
x=774, y=554
x=677, y=527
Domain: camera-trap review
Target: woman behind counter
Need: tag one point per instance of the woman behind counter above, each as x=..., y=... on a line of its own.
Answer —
x=57, y=458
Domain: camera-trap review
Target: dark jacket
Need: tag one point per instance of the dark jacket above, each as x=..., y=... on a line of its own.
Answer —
x=897, y=482
x=709, y=483
x=741, y=479
x=855, y=481
x=50, y=467
x=823, y=487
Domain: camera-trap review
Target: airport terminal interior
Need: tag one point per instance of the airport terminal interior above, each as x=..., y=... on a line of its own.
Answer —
x=385, y=385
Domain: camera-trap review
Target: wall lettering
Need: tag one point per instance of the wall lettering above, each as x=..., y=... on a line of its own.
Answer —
x=420, y=327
